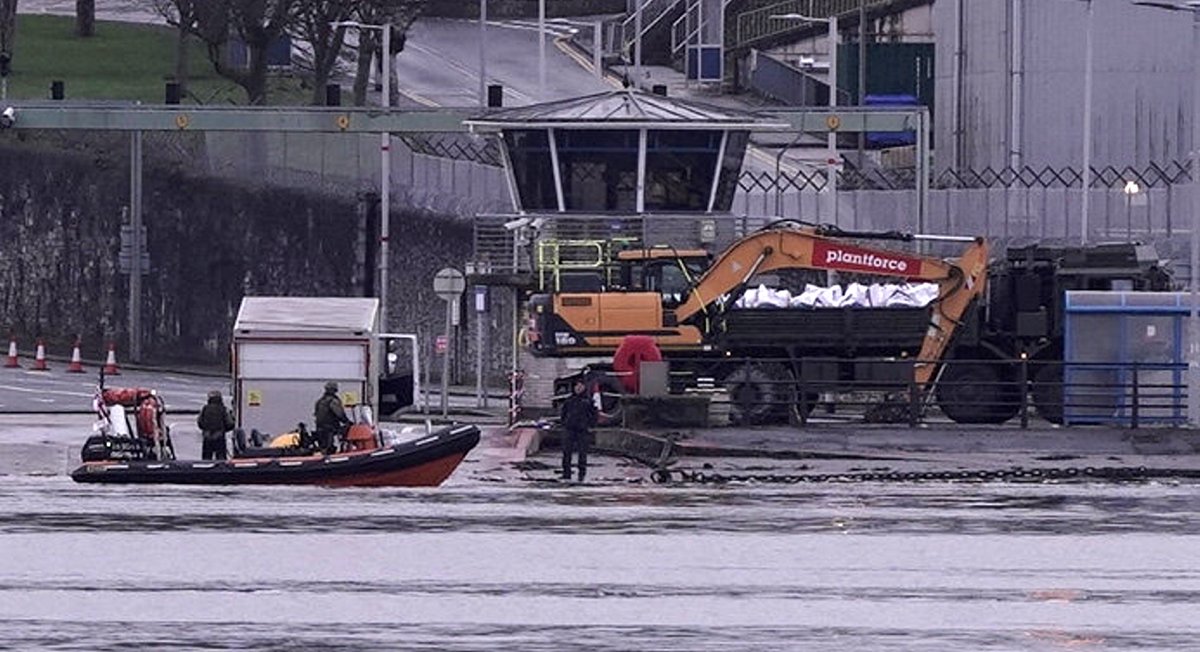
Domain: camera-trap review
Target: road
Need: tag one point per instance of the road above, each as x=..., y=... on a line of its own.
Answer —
x=25, y=390
x=440, y=63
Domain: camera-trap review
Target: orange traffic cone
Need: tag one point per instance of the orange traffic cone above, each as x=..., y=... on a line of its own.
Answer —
x=76, y=366
x=12, y=363
x=110, y=365
x=39, y=361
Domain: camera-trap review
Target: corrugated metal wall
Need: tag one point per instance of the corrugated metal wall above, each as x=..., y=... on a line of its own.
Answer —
x=1143, y=74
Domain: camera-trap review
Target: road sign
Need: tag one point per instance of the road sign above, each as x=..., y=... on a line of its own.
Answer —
x=125, y=263
x=125, y=254
x=440, y=344
x=449, y=283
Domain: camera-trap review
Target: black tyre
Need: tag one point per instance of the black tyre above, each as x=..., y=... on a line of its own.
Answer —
x=1048, y=393
x=757, y=394
x=977, y=393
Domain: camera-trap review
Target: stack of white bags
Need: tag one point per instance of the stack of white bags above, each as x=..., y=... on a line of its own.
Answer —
x=876, y=295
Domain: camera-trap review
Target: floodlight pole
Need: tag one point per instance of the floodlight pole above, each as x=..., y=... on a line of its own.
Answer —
x=541, y=50
x=385, y=166
x=1086, y=177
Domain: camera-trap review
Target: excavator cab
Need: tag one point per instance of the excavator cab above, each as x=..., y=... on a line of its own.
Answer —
x=665, y=270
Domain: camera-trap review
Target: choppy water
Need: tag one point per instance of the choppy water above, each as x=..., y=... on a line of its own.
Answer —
x=832, y=567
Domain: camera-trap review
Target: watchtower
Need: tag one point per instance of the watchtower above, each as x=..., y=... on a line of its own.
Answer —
x=622, y=165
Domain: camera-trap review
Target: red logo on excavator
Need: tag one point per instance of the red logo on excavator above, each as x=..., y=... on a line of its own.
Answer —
x=855, y=259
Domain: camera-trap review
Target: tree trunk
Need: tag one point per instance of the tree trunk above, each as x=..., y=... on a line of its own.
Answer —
x=362, y=77
x=256, y=77
x=8, y=25
x=85, y=18
x=181, y=60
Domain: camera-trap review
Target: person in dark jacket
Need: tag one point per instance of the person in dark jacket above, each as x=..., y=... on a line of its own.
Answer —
x=329, y=417
x=579, y=415
x=214, y=421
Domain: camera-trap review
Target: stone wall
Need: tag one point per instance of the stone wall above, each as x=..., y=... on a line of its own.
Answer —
x=211, y=242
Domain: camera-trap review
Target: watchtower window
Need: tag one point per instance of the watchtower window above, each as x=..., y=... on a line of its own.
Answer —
x=529, y=150
x=599, y=168
x=731, y=167
x=680, y=165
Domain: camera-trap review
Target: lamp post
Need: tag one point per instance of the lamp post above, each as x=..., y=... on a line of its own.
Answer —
x=541, y=50
x=831, y=153
x=482, y=52
x=1193, y=358
x=385, y=166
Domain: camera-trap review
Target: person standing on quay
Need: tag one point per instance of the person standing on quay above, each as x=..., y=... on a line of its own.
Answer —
x=579, y=415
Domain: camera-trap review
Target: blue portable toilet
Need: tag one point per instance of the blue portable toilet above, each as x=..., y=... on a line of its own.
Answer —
x=1124, y=356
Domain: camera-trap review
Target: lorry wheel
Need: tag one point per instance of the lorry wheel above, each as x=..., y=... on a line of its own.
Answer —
x=1048, y=393
x=977, y=393
x=755, y=394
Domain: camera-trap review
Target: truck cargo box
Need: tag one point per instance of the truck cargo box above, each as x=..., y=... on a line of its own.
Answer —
x=827, y=331
x=286, y=348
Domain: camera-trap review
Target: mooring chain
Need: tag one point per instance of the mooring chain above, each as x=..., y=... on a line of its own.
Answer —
x=1017, y=474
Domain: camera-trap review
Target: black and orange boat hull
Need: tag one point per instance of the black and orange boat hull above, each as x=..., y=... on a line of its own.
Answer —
x=423, y=462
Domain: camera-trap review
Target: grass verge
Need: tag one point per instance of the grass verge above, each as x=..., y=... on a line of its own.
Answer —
x=122, y=62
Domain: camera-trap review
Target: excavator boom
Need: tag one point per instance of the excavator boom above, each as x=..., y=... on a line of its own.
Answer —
x=803, y=248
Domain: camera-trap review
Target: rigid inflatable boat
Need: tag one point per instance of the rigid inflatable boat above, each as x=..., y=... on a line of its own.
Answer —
x=132, y=445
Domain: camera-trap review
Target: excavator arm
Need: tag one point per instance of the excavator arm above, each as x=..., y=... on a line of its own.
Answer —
x=804, y=248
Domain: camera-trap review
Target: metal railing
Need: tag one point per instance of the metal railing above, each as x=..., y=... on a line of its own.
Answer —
x=754, y=26
x=652, y=12
x=685, y=30
x=1020, y=393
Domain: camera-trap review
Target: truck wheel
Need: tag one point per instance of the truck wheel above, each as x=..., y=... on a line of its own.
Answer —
x=755, y=394
x=1048, y=393
x=976, y=393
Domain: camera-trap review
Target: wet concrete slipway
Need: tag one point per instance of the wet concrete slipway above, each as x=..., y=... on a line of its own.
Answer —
x=886, y=552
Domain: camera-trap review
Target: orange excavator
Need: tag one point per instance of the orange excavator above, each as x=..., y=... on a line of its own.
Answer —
x=685, y=305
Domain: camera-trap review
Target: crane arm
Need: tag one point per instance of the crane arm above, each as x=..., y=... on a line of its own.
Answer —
x=790, y=248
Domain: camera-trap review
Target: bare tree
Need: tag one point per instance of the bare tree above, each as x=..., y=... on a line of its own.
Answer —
x=8, y=25
x=400, y=14
x=180, y=14
x=85, y=18
x=226, y=25
x=313, y=25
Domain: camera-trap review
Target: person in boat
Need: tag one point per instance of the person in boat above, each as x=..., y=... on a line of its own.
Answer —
x=329, y=418
x=214, y=421
x=579, y=415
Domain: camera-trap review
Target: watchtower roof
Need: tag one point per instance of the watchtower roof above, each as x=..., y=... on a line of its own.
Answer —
x=623, y=109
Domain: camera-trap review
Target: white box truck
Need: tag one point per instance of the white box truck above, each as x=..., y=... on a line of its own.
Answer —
x=286, y=348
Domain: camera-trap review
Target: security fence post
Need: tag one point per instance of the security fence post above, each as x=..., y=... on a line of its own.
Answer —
x=1023, y=383
x=914, y=397
x=1134, y=399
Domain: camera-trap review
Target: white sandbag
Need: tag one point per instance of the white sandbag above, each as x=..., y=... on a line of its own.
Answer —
x=774, y=298
x=854, y=295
